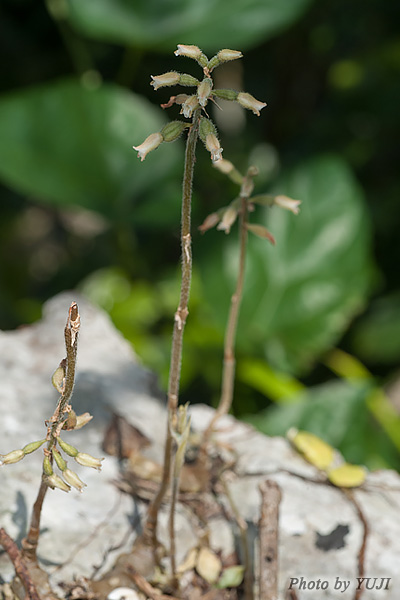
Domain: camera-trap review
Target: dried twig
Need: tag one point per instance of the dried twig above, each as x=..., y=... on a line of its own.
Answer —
x=19, y=565
x=291, y=594
x=269, y=535
x=147, y=588
x=243, y=529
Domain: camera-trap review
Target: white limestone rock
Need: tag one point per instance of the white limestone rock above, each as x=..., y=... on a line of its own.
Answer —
x=82, y=534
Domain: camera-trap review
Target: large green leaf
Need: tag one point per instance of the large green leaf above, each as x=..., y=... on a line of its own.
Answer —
x=161, y=24
x=66, y=144
x=338, y=412
x=300, y=295
x=377, y=337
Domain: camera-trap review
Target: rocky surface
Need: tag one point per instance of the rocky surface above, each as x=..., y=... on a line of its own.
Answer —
x=321, y=531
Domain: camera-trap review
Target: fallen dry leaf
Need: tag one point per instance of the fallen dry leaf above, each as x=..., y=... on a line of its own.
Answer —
x=208, y=565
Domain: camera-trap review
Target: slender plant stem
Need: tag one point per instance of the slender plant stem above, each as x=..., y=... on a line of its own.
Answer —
x=228, y=373
x=30, y=543
x=20, y=567
x=150, y=528
x=180, y=431
x=171, y=527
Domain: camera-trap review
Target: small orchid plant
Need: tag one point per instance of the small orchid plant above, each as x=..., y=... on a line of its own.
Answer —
x=63, y=419
x=194, y=107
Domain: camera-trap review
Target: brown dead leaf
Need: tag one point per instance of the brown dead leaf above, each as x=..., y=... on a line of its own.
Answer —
x=194, y=478
x=123, y=439
x=189, y=562
x=144, y=468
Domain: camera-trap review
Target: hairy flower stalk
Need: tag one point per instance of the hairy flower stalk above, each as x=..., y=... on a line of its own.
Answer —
x=228, y=373
x=224, y=219
x=203, y=127
x=150, y=528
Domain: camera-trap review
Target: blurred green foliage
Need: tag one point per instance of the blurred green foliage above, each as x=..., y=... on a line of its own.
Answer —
x=70, y=144
x=78, y=210
x=300, y=295
x=210, y=24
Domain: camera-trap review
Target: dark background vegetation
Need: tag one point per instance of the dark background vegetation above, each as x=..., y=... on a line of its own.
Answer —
x=320, y=327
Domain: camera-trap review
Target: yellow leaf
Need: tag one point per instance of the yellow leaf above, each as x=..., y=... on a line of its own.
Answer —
x=347, y=475
x=315, y=451
x=189, y=561
x=208, y=565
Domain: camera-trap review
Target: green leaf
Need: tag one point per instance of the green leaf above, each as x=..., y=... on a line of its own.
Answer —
x=231, y=577
x=161, y=25
x=65, y=144
x=325, y=410
x=277, y=385
x=377, y=336
x=300, y=295
x=338, y=412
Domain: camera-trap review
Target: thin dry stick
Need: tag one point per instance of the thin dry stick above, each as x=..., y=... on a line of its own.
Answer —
x=30, y=543
x=147, y=588
x=269, y=535
x=291, y=594
x=150, y=527
x=20, y=568
x=243, y=529
x=228, y=375
x=361, y=553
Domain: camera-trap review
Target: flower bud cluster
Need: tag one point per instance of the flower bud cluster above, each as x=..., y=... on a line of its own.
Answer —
x=198, y=101
x=68, y=478
x=16, y=455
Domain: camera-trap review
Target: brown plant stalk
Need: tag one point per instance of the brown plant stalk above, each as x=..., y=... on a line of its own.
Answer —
x=71, y=330
x=228, y=373
x=150, y=527
x=19, y=565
